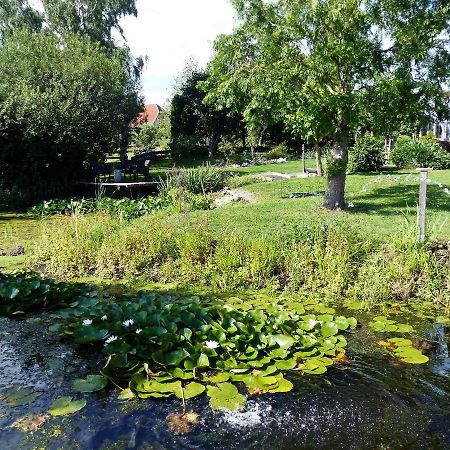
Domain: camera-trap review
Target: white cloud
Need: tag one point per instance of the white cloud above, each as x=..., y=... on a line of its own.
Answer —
x=171, y=31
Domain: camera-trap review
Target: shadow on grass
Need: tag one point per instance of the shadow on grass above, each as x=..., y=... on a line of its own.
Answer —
x=389, y=200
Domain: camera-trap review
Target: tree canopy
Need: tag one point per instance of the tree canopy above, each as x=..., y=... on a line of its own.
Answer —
x=333, y=67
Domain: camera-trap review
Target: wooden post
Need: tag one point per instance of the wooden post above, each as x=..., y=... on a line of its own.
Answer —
x=303, y=158
x=421, y=214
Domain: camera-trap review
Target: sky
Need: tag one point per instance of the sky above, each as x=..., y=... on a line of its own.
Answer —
x=169, y=32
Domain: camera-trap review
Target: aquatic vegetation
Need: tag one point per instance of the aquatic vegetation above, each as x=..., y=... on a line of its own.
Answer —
x=19, y=396
x=30, y=422
x=92, y=383
x=382, y=324
x=158, y=346
x=23, y=292
x=65, y=406
x=404, y=350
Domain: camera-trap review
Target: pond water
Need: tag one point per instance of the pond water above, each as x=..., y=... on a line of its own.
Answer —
x=372, y=403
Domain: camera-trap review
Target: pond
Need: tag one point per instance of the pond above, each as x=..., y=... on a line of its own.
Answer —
x=374, y=402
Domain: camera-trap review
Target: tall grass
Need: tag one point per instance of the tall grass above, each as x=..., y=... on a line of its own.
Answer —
x=199, y=180
x=332, y=263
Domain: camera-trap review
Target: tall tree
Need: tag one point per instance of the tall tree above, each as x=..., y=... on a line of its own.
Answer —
x=321, y=63
x=61, y=106
x=95, y=18
x=16, y=14
x=191, y=117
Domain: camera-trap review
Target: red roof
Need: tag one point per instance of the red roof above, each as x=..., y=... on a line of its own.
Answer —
x=150, y=114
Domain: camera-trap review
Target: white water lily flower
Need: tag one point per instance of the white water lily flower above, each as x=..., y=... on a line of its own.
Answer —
x=139, y=331
x=128, y=323
x=112, y=338
x=105, y=317
x=351, y=205
x=211, y=344
x=87, y=322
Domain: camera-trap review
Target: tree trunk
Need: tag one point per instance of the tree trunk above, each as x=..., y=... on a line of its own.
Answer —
x=318, y=158
x=213, y=144
x=334, y=196
x=124, y=143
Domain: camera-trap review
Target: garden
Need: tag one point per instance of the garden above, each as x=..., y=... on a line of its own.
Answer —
x=274, y=291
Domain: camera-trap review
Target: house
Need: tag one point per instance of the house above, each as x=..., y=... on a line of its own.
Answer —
x=151, y=115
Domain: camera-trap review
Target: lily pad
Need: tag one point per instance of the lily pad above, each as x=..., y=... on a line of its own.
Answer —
x=191, y=390
x=92, y=383
x=19, y=396
x=64, y=406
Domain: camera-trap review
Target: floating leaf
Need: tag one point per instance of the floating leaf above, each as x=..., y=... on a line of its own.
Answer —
x=173, y=358
x=31, y=422
x=92, y=383
x=190, y=390
x=329, y=329
x=19, y=396
x=64, y=406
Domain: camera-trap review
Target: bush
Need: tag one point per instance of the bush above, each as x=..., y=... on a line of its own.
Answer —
x=280, y=151
x=424, y=153
x=144, y=138
x=367, y=155
x=198, y=180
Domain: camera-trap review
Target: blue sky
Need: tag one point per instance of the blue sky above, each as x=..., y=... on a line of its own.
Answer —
x=170, y=32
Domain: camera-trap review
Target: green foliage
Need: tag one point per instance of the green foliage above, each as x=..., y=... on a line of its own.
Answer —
x=49, y=129
x=403, y=349
x=322, y=68
x=144, y=138
x=367, y=155
x=165, y=346
x=125, y=208
x=21, y=294
x=197, y=180
x=334, y=167
x=238, y=181
x=382, y=324
x=65, y=406
x=96, y=19
x=423, y=153
x=280, y=151
x=191, y=120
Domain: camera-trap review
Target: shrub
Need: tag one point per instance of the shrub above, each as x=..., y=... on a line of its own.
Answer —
x=144, y=138
x=198, y=180
x=424, y=153
x=280, y=151
x=367, y=155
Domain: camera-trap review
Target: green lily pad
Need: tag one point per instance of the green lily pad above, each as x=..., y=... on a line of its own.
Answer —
x=220, y=377
x=228, y=404
x=287, y=364
x=404, y=328
x=19, y=396
x=93, y=383
x=329, y=329
x=190, y=390
x=64, y=406
x=283, y=385
x=284, y=341
x=87, y=334
x=173, y=358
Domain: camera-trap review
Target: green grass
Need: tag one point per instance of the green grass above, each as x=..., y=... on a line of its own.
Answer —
x=378, y=213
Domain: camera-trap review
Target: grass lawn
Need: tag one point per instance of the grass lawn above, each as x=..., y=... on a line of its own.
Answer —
x=383, y=209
